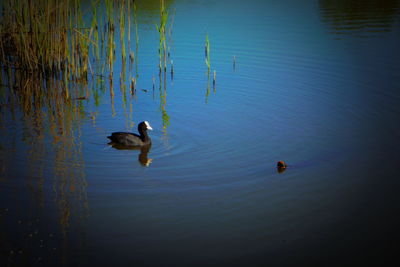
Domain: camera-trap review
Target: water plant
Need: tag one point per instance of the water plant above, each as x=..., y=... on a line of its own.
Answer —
x=136, y=24
x=38, y=37
x=110, y=36
x=162, y=50
x=95, y=28
x=137, y=39
x=129, y=27
x=133, y=86
x=122, y=29
x=207, y=52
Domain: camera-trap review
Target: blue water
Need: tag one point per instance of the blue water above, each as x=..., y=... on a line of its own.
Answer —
x=313, y=83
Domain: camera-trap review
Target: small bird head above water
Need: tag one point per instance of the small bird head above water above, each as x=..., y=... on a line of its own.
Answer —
x=144, y=125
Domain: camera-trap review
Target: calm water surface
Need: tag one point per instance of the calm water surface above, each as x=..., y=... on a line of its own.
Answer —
x=314, y=83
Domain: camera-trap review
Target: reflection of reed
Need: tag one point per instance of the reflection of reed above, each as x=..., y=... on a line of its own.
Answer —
x=163, y=102
x=208, y=85
x=47, y=112
x=113, y=113
x=34, y=128
x=214, y=81
x=70, y=184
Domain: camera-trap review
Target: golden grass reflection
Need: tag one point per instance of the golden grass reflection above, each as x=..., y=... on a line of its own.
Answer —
x=44, y=127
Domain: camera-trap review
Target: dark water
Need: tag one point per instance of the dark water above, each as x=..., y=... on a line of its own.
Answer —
x=314, y=83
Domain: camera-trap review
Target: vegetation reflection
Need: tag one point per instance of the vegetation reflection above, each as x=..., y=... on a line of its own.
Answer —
x=50, y=131
x=56, y=57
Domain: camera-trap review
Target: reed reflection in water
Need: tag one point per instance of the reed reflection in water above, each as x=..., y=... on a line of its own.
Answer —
x=45, y=132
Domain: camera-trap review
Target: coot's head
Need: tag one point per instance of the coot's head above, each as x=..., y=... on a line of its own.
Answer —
x=144, y=126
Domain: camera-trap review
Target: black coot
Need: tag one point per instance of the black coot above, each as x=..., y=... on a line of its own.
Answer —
x=131, y=139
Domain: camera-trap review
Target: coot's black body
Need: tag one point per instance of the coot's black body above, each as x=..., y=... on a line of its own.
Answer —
x=131, y=139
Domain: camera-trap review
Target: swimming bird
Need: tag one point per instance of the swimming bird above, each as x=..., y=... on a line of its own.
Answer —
x=131, y=139
x=281, y=166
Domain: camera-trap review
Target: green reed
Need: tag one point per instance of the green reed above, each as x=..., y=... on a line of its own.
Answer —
x=28, y=35
x=162, y=50
x=207, y=52
x=133, y=58
x=46, y=36
x=122, y=29
x=110, y=36
x=95, y=29
x=129, y=27
x=136, y=24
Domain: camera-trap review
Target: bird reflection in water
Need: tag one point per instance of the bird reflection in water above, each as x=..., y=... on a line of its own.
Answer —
x=143, y=155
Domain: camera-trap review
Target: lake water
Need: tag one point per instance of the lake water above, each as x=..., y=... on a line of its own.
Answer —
x=313, y=83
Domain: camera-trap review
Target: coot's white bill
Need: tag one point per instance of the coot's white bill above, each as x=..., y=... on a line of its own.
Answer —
x=148, y=125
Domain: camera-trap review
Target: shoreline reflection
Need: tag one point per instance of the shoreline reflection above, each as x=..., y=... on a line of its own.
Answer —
x=360, y=18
